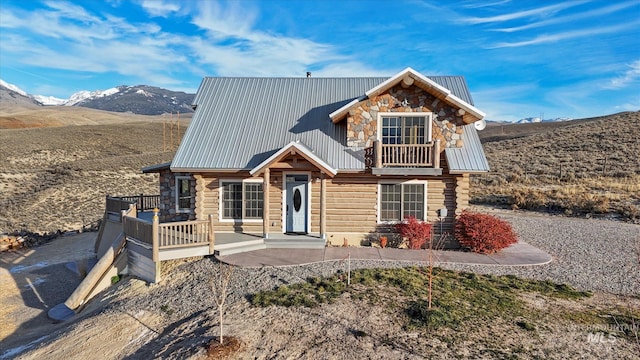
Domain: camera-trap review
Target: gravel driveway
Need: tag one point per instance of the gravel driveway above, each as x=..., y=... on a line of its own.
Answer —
x=588, y=254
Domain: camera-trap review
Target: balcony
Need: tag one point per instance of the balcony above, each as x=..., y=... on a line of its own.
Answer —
x=403, y=159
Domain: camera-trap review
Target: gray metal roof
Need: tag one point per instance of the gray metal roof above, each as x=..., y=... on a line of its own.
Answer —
x=239, y=122
x=470, y=157
x=457, y=85
x=156, y=168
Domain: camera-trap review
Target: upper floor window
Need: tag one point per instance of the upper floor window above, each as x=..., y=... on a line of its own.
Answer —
x=410, y=128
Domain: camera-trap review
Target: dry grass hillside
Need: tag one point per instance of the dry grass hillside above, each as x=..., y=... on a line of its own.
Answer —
x=56, y=178
x=589, y=166
x=24, y=116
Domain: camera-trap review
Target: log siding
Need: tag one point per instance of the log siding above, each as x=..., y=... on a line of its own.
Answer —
x=352, y=201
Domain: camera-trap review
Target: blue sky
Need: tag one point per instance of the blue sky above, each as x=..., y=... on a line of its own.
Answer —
x=520, y=58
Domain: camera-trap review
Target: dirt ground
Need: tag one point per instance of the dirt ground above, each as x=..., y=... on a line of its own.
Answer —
x=117, y=326
x=33, y=280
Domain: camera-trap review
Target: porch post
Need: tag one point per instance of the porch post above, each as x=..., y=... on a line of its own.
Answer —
x=265, y=202
x=211, y=235
x=323, y=206
x=155, y=232
x=378, y=153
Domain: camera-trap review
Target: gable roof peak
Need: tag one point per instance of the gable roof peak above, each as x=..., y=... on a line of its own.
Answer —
x=410, y=77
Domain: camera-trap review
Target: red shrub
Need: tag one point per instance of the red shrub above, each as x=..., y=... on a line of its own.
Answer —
x=416, y=232
x=482, y=233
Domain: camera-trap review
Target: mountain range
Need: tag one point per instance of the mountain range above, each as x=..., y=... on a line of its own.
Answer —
x=142, y=100
x=139, y=99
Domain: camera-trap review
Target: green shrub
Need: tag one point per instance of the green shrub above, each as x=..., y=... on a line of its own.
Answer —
x=483, y=233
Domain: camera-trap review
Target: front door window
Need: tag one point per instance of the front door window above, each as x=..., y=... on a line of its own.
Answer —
x=296, y=207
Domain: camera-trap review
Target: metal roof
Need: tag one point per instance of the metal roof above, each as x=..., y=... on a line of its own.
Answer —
x=156, y=168
x=240, y=122
x=470, y=157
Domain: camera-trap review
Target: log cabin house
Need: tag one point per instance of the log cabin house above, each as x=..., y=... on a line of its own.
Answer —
x=305, y=162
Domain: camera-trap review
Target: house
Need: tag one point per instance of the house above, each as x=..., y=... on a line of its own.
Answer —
x=324, y=159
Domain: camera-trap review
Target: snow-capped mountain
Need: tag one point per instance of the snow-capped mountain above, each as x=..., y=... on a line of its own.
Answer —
x=85, y=95
x=140, y=99
x=13, y=88
x=48, y=100
x=530, y=120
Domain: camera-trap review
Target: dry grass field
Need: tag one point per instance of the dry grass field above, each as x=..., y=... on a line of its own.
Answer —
x=588, y=166
x=56, y=178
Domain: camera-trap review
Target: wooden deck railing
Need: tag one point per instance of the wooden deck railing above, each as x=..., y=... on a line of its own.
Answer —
x=116, y=205
x=138, y=229
x=403, y=155
x=170, y=235
x=183, y=233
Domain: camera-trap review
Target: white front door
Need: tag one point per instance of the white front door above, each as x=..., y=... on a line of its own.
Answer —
x=296, y=207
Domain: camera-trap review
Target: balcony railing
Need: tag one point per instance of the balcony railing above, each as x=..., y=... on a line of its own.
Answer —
x=403, y=155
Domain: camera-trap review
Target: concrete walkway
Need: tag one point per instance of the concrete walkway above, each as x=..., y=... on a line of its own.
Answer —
x=519, y=254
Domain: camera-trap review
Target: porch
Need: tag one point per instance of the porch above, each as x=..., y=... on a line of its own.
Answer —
x=233, y=243
x=174, y=240
x=403, y=159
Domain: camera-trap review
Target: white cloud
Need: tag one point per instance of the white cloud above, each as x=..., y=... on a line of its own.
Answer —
x=542, y=11
x=95, y=45
x=71, y=11
x=234, y=48
x=631, y=75
x=546, y=38
x=485, y=4
x=223, y=22
x=571, y=18
x=160, y=8
x=351, y=69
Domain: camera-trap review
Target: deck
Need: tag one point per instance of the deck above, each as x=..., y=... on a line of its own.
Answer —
x=174, y=240
x=233, y=243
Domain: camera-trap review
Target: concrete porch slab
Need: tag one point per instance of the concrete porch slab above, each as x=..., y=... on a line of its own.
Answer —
x=341, y=253
x=274, y=257
x=520, y=254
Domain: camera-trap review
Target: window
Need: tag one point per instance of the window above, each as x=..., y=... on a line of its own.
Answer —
x=183, y=194
x=253, y=201
x=241, y=200
x=397, y=201
x=405, y=129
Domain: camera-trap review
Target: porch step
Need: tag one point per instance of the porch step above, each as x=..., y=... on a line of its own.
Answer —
x=238, y=247
x=295, y=243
